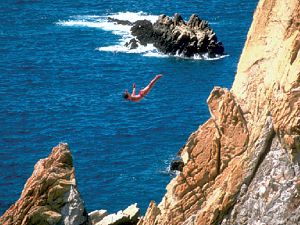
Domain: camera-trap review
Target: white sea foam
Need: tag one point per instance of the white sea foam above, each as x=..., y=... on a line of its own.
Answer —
x=155, y=53
x=103, y=23
x=206, y=57
x=121, y=48
x=133, y=17
x=97, y=22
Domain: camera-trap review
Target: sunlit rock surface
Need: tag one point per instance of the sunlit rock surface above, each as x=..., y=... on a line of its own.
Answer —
x=50, y=195
x=241, y=166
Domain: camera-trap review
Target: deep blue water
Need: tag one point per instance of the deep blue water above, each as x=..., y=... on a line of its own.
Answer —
x=56, y=86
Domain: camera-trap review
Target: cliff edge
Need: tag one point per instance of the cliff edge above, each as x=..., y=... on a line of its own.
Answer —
x=241, y=166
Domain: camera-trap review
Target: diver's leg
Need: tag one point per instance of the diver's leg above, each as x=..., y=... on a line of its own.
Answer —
x=147, y=89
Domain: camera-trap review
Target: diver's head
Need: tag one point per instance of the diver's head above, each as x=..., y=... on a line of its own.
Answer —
x=126, y=95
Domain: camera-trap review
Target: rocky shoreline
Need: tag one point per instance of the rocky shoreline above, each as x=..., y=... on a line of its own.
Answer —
x=50, y=196
x=240, y=167
x=174, y=36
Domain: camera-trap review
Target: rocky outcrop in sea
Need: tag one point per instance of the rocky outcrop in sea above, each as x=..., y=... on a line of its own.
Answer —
x=174, y=36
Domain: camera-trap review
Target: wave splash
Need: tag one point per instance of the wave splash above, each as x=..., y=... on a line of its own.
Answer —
x=103, y=22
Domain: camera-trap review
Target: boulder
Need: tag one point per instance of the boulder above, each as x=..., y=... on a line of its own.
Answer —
x=114, y=219
x=129, y=216
x=133, y=212
x=132, y=44
x=177, y=165
x=143, y=31
x=97, y=215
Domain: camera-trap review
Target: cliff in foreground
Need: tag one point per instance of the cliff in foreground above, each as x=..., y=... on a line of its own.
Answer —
x=50, y=195
x=241, y=166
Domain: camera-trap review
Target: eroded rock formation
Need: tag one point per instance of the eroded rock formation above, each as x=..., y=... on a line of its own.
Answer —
x=241, y=166
x=50, y=195
x=176, y=37
x=128, y=216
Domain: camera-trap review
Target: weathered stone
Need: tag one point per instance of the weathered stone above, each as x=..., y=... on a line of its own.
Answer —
x=177, y=165
x=143, y=30
x=241, y=165
x=73, y=211
x=129, y=216
x=132, y=44
x=114, y=219
x=50, y=195
x=272, y=197
x=178, y=20
x=97, y=215
x=174, y=36
x=133, y=212
x=152, y=213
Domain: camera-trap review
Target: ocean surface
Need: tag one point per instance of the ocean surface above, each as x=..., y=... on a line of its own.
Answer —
x=63, y=69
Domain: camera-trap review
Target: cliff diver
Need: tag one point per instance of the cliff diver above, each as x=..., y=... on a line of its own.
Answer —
x=142, y=93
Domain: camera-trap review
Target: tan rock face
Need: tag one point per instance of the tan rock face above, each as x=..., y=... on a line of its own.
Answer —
x=49, y=195
x=225, y=153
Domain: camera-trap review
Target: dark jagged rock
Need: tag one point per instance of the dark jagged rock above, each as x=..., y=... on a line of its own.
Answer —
x=122, y=22
x=178, y=20
x=176, y=37
x=143, y=30
x=176, y=165
x=132, y=44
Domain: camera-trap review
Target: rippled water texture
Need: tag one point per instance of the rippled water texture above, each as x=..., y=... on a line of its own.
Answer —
x=63, y=82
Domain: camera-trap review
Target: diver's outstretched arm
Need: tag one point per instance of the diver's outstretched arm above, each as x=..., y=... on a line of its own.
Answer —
x=133, y=89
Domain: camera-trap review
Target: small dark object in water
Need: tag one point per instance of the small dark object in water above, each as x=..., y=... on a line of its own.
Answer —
x=177, y=165
x=132, y=44
x=122, y=22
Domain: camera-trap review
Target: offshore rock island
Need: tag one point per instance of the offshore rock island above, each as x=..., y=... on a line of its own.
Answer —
x=174, y=36
x=239, y=167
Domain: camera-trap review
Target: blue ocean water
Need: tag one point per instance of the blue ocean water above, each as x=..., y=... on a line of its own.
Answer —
x=62, y=74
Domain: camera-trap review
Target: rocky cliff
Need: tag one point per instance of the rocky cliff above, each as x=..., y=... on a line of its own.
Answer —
x=241, y=166
x=50, y=195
